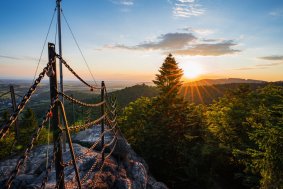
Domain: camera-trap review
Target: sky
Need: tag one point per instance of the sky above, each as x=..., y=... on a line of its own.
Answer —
x=128, y=40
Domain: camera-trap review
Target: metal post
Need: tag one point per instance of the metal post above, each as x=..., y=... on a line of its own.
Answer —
x=57, y=133
x=102, y=121
x=14, y=103
x=58, y=5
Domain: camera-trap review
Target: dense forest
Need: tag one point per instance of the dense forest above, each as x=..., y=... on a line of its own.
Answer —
x=208, y=136
x=234, y=142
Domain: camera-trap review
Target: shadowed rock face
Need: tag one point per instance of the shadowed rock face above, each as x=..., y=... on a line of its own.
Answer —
x=123, y=170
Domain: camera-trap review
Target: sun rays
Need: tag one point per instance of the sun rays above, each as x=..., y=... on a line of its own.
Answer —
x=199, y=94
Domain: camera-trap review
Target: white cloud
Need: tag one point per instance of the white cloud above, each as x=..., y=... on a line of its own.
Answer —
x=184, y=44
x=167, y=41
x=187, y=8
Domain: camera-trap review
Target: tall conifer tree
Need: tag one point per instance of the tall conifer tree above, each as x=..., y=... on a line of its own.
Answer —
x=168, y=81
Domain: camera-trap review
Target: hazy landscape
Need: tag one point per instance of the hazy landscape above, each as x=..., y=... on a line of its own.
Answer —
x=141, y=94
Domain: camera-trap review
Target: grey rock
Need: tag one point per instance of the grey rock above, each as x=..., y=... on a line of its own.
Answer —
x=124, y=169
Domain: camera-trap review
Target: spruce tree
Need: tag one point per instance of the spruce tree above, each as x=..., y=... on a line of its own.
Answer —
x=168, y=81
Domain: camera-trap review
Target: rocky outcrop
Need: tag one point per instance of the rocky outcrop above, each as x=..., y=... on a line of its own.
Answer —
x=124, y=169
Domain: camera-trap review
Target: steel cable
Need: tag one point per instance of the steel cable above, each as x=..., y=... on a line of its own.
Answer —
x=78, y=46
x=39, y=60
x=75, y=74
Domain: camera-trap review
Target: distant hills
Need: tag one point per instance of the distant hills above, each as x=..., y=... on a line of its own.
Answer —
x=223, y=81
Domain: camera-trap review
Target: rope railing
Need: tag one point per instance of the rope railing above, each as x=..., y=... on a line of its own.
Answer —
x=75, y=74
x=95, y=163
x=90, y=148
x=114, y=120
x=108, y=116
x=80, y=102
x=112, y=124
x=23, y=158
x=108, y=156
x=4, y=129
x=113, y=112
x=87, y=125
x=70, y=143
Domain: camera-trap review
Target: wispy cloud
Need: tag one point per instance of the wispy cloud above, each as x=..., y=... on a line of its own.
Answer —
x=277, y=60
x=272, y=57
x=205, y=49
x=249, y=68
x=276, y=13
x=9, y=57
x=123, y=2
x=270, y=64
x=124, y=5
x=127, y=2
x=187, y=8
x=184, y=44
x=20, y=58
x=199, y=31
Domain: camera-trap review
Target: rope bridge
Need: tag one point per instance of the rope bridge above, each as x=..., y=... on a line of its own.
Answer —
x=107, y=121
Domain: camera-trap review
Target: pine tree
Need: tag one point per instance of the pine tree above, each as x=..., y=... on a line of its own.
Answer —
x=168, y=81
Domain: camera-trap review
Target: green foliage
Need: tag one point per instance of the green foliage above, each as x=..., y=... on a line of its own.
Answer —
x=26, y=128
x=266, y=122
x=236, y=142
x=130, y=94
x=164, y=129
x=249, y=125
x=6, y=143
x=225, y=118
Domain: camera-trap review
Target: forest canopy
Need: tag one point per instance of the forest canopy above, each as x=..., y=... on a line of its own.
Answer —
x=234, y=142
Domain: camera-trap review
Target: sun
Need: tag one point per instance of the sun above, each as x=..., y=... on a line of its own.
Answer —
x=192, y=70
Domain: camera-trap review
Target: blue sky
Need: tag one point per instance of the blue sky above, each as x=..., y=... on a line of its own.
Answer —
x=129, y=39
